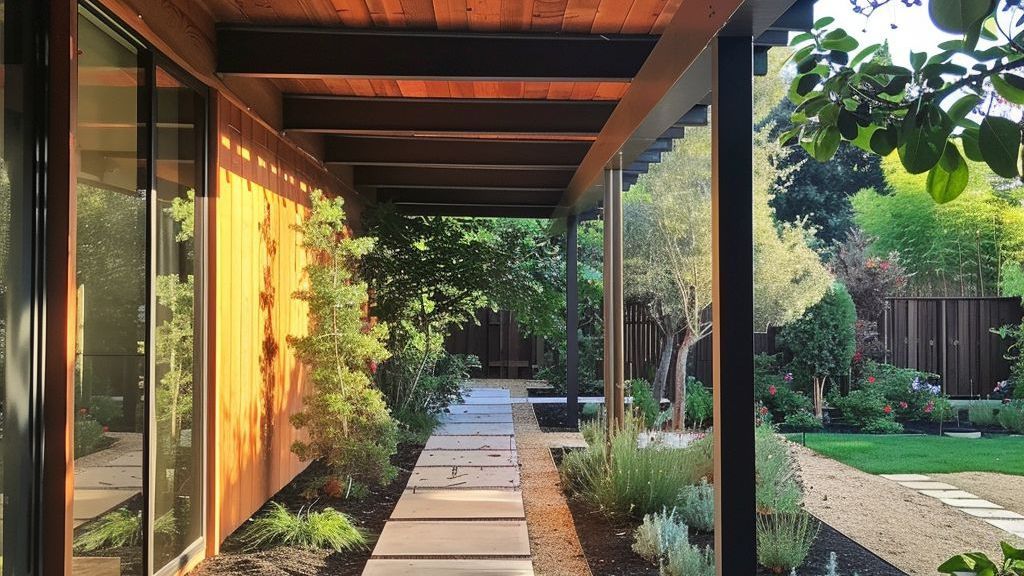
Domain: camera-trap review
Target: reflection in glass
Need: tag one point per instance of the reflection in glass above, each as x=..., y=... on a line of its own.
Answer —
x=177, y=477
x=110, y=413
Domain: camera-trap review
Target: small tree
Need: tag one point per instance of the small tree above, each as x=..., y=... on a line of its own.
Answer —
x=869, y=279
x=822, y=342
x=346, y=419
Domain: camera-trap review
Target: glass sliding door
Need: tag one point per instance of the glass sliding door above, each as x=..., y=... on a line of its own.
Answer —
x=139, y=460
x=112, y=312
x=177, y=479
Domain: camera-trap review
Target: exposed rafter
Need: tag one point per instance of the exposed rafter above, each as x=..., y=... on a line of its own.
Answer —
x=482, y=197
x=299, y=52
x=449, y=178
x=453, y=152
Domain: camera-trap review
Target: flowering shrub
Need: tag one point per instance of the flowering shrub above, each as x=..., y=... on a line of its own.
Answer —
x=773, y=388
x=802, y=421
x=908, y=392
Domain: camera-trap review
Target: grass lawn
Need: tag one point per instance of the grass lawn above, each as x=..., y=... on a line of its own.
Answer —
x=901, y=454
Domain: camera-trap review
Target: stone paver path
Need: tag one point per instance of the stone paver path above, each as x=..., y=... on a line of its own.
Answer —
x=962, y=500
x=462, y=511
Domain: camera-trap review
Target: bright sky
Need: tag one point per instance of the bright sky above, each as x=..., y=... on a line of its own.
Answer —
x=914, y=30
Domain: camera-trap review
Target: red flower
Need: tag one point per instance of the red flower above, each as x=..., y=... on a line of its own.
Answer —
x=763, y=410
x=903, y=405
x=871, y=379
x=373, y=366
x=772, y=390
x=929, y=407
x=885, y=264
x=887, y=409
x=106, y=428
x=857, y=357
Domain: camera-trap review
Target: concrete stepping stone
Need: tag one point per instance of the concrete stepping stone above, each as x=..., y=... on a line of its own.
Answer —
x=467, y=458
x=928, y=486
x=969, y=503
x=479, y=409
x=947, y=494
x=107, y=477
x=451, y=538
x=494, y=392
x=1014, y=526
x=474, y=429
x=470, y=400
x=504, y=442
x=992, y=513
x=480, y=418
x=467, y=567
x=92, y=503
x=906, y=477
x=465, y=477
x=96, y=566
x=459, y=504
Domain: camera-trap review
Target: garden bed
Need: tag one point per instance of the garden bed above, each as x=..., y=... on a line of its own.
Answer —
x=607, y=545
x=368, y=513
x=551, y=417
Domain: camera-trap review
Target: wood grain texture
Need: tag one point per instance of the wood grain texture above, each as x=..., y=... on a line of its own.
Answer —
x=262, y=191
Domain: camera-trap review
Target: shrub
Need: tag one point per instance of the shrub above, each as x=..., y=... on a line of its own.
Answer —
x=106, y=410
x=784, y=540
x=774, y=389
x=699, y=403
x=644, y=404
x=861, y=407
x=689, y=560
x=328, y=529
x=657, y=534
x=777, y=489
x=89, y=436
x=802, y=421
x=982, y=414
x=118, y=529
x=907, y=391
x=882, y=426
x=697, y=506
x=346, y=420
x=1011, y=416
x=634, y=481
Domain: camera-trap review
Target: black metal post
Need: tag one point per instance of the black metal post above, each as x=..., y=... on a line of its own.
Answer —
x=732, y=229
x=572, y=321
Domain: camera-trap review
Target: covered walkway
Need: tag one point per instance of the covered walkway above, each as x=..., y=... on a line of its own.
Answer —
x=462, y=511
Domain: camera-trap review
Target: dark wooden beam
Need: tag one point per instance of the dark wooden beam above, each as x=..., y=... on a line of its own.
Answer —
x=454, y=152
x=476, y=210
x=317, y=52
x=572, y=320
x=481, y=197
x=732, y=264
x=383, y=176
x=471, y=115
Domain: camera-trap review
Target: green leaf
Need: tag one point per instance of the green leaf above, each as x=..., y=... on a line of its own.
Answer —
x=923, y=136
x=863, y=139
x=847, y=124
x=962, y=107
x=947, y=179
x=801, y=38
x=806, y=65
x=839, y=40
x=1009, y=86
x=822, y=22
x=999, y=142
x=826, y=143
x=969, y=138
x=829, y=114
x=971, y=562
x=802, y=86
x=1011, y=553
x=883, y=141
x=864, y=54
x=917, y=59
x=959, y=16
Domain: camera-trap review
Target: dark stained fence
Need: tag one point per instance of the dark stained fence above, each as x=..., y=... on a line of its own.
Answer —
x=503, y=350
x=952, y=337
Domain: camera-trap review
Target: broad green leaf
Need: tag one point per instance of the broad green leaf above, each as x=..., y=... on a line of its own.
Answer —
x=999, y=142
x=923, y=137
x=864, y=54
x=958, y=16
x=801, y=38
x=962, y=107
x=828, y=115
x=1006, y=89
x=970, y=562
x=863, y=139
x=947, y=179
x=1010, y=552
x=822, y=22
x=806, y=65
x=826, y=143
x=883, y=141
x=839, y=40
x=969, y=138
x=847, y=124
x=917, y=59
x=802, y=86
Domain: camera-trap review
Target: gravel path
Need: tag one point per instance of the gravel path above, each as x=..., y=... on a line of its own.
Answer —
x=1003, y=489
x=913, y=532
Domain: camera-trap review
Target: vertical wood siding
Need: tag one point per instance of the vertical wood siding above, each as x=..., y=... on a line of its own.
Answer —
x=256, y=383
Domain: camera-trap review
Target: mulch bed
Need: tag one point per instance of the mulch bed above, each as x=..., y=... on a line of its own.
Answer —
x=369, y=513
x=607, y=544
x=551, y=417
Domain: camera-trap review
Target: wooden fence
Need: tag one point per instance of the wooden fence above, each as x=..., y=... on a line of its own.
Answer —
x=952, y=337
x=496, y=339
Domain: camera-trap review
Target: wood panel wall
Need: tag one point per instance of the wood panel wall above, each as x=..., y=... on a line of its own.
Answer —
x=262, y=190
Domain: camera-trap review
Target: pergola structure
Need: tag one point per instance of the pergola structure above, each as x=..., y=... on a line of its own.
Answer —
x=543, y=109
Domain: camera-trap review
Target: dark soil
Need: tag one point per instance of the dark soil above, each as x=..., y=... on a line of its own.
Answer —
x=369, y=513
x=551, y=417
x=607, y=544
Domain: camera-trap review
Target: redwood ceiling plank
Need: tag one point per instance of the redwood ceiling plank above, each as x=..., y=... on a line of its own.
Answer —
x=642, y=15
x=419, y=14
x=584, y=91
x=536, y=89
x=353, y=13
x=388, y=88
x=463, y=89
x=548, y=15
x=484, y=15
x=579, y=15
x=517, y=14
x=610, y=90
x=611, y=14
x=670, y=9
x=451, y=14
x=361, y=87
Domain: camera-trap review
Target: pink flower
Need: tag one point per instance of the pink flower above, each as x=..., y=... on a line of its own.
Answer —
x=772, y=390
x=929, y=407
x=763, y=410
x=884, y=265
x=857, y=357
x=106, y=428
x=788, y=377
x=887, y=409
x=1006, y=400
x=83, y=411
x=373, y=366
x=871, y=379
x=903, y=405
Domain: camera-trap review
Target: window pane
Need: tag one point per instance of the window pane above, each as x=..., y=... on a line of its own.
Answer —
x=178, y=475
x=111, y=258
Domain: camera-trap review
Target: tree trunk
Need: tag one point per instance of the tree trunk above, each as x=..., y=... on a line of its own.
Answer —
x=819, y=396
x=661, y=376
x=679, y=407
